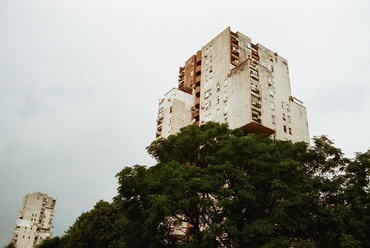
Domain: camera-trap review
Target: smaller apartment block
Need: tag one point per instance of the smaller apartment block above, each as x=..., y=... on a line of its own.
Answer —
x=35, y=220
x=232, y=80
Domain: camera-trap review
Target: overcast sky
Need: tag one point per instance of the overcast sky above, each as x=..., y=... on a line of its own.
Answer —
x=80, y=83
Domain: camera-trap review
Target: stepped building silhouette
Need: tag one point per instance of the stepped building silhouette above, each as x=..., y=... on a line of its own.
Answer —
x=232, y=80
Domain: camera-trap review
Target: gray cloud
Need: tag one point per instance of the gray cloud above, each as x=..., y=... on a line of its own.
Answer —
x=80, y=83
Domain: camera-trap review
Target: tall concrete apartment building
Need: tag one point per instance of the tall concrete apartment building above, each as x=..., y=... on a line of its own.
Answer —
x=232, y=80
x=35, y=220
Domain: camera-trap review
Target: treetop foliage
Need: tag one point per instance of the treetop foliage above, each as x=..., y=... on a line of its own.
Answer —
x=216, y=187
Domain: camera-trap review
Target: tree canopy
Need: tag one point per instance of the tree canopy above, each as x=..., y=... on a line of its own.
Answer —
x=216, y=187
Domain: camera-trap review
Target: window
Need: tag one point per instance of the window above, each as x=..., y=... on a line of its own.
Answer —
x=289, y=118
x=284, y=117
x=290, y=131
x=218, y=112
x=170, y=109
x=284, y=129
x=254, y=86
x=226, y=108
x=225, y=82
x=270, y=81
x=273, y=119
x=225, y=96
x=255, y=101
x=218, y=87
x=272, y=105
x=207, y=94
x=207, y=105
x=218, y=99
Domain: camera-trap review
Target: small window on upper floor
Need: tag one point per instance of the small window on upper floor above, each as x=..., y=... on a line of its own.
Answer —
x=207, y=94
x=225, y=82
x=290, y=131
x=218, y=87
x=284, y=129
x=271, y=91
x=225, y=96
x=284, y=117
x=207, y=105
x=272, y=105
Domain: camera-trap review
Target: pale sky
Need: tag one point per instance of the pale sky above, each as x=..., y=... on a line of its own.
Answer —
x=80, y=83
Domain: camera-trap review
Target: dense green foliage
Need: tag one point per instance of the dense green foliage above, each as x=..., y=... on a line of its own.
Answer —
x=234, y=190
x=100, y=227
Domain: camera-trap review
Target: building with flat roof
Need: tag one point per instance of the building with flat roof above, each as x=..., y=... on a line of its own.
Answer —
x=34, y=221
x=232, y=80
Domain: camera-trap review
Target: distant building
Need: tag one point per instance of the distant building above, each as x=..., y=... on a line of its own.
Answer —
x=232, y=80
x=35, y=220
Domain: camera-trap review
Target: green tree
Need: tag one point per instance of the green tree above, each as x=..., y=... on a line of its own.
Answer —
x=356, y=200
x=237, y=190
x=55, y=242
x=233, y=190
x=100, y=227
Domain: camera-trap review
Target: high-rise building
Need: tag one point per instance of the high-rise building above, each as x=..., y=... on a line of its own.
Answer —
x=232, y=80
x=35, y=220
